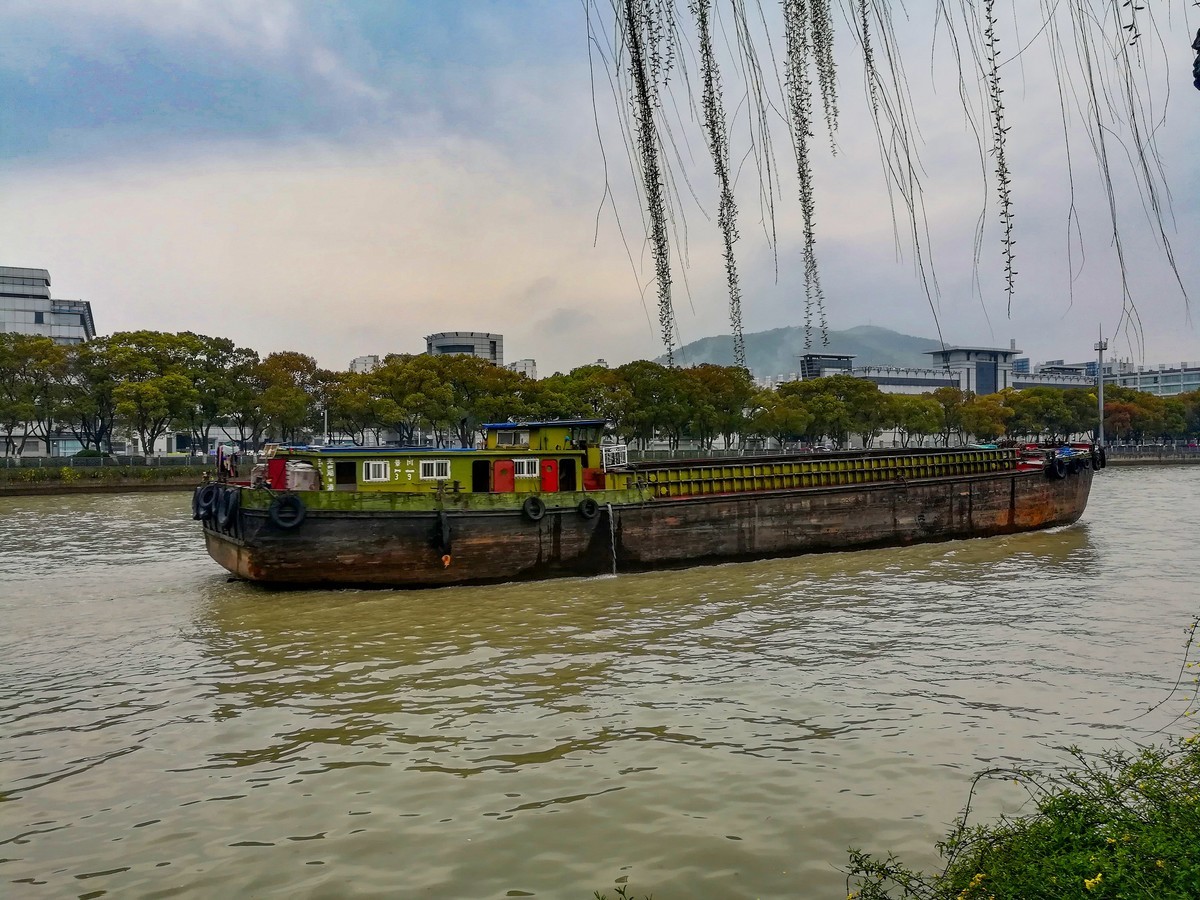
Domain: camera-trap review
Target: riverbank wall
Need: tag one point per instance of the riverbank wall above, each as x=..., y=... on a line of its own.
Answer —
x=29, y=481
x=1168, y=457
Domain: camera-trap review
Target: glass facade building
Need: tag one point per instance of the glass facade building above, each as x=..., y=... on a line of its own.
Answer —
x=26, y=307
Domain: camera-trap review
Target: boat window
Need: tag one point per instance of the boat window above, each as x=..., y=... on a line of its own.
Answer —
x=512, y=438
x=376, y=470
x=525, y=468
x=435, y=469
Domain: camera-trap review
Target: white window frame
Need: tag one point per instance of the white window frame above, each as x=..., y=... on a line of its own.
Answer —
x=521, y=465
x=376, y=470
x=435, y=470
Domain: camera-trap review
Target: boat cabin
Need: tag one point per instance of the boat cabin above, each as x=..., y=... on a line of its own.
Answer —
x=517, y=457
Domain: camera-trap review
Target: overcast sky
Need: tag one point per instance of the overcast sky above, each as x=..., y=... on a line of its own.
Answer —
x=343, y=179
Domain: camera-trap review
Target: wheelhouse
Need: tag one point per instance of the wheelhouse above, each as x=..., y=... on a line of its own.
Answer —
x=517, y=457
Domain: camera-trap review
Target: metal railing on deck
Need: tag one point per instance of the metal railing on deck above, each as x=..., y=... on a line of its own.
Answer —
x=689, y=479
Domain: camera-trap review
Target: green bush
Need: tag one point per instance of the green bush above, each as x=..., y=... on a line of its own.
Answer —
x=1116, y=825
x=104, y=475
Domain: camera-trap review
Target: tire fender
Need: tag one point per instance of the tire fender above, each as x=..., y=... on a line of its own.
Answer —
x=205, y=500
x=287, y=511
x=533, y=508
x=228, y=506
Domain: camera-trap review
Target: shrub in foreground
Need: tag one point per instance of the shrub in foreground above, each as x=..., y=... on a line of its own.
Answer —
x=1116, y=825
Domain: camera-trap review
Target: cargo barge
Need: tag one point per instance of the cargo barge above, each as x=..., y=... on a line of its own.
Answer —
x=547, y=499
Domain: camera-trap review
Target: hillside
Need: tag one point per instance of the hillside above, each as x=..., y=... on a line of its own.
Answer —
x=777, y=352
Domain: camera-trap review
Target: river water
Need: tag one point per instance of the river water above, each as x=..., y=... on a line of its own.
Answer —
x=716, y=732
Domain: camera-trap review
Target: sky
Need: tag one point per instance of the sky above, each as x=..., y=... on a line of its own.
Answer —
x=344, y=179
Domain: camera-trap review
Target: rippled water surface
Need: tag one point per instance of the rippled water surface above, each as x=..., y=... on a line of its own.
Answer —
x=716, y=732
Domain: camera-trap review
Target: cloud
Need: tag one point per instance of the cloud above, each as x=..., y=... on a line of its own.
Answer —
x=471, y=202
x=264, y=34
x=328, y=251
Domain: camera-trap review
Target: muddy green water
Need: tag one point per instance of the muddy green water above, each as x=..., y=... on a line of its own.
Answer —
x=715, y=732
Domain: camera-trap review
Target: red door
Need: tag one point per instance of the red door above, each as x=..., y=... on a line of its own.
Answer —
x=549, y=475
x=503, y=480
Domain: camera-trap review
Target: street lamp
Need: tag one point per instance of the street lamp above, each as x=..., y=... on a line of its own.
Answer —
x=1100, y=346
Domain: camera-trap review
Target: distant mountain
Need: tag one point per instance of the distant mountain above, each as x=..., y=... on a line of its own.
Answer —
x=778, y=351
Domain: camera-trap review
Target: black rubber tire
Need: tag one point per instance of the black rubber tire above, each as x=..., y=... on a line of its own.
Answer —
x=196, y=502
x=1103, y=458
x=228, y=506
x=1057, y=468
x=533, y=508
x=588, y=508
x=287, y=511
x=206, y=500
x=1073, y=466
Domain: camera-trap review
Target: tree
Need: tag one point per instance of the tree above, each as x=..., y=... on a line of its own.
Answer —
x=88, y=406
x=289, y=383
x=984, y=417
x=416, y=393
x=149, y=406
x=153, y=389
x=720, y=396
x=245, y=411
x=916, y=415
x=841, y=405
x=214, y=366
x=951, y=401
x=780, y=416
x=16, y=391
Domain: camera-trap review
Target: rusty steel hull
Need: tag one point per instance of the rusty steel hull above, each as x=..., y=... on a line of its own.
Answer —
x=407, y=549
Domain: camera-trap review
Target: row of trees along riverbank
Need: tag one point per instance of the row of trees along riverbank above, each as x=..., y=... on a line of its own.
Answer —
x=149, y=383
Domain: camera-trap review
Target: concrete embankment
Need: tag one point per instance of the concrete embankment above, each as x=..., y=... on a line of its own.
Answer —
x=1146, y=459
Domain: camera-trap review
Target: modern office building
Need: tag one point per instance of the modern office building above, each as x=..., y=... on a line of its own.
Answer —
x=26, y=307
x=467, y=343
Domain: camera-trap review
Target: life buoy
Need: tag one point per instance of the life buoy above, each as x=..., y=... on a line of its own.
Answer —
x=533, y=508
x=204, y=501
x=228, y=506
x=588, y=508
x=287, y=511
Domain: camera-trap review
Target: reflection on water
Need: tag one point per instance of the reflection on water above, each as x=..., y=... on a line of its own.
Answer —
x=721, y=731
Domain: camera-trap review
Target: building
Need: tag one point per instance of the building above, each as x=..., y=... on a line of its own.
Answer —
x=821, y=365
x=468, y=343
x=981, y=370
x=362, y=364
x=907, y=380
x=26, y=307
x=1162, y=380
x=527, y=367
